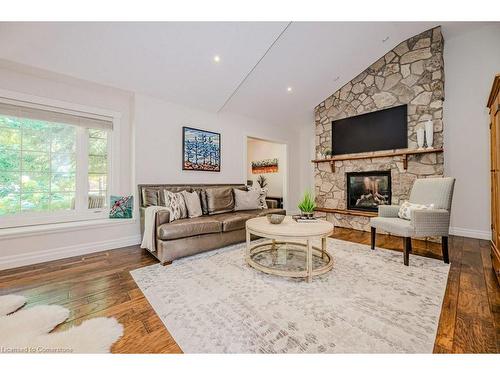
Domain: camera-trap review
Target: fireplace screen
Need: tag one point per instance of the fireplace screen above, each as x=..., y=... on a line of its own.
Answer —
x=367, y=190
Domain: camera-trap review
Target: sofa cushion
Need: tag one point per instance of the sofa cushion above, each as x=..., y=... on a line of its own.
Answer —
x=189, y=227
x=246, y=200
x=219, y=200
x=234, y=220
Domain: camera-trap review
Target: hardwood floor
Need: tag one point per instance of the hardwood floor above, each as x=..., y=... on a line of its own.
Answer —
x=100, y=285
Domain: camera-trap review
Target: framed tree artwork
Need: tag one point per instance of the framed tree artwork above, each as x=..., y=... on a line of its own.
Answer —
x=200, y=150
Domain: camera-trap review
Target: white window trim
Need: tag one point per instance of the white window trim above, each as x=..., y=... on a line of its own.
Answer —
x=42, y=218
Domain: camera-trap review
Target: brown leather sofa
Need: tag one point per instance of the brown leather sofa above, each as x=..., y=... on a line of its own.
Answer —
x=190, y=236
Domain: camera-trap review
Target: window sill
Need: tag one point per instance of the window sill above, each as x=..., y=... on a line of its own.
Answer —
x=34, y=230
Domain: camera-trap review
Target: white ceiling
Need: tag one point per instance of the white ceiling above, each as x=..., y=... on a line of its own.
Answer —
x=174, y=61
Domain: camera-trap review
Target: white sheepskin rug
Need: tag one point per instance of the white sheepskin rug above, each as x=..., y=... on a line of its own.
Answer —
x=28, y=330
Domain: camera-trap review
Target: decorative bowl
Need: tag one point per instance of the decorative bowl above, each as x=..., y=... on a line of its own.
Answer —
x=275, y=218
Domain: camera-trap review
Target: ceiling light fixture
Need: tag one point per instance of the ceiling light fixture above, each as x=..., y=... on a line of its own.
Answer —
x=336, y=79
x=289, y=89
x=217, y=58
x=385, y=39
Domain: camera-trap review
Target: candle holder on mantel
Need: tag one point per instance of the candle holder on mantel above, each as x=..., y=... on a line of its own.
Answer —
x=429, y=134
x=420, y=137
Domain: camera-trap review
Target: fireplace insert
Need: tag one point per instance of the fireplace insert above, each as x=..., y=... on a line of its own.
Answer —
x=367, y=190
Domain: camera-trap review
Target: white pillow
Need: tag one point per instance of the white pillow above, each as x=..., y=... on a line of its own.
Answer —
x=246, y=200
x=407, y=207
x=193, y=203
x=175, y=203
x=262, y=195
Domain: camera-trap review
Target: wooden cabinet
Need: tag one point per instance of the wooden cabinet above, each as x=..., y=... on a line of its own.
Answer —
x=494, y=106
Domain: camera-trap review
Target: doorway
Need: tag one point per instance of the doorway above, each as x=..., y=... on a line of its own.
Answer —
x=267, y=167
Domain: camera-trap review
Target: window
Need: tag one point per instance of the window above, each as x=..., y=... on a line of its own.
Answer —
x=53, y=166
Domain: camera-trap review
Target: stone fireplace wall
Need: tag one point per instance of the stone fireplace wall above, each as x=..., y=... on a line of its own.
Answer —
x=412, y=73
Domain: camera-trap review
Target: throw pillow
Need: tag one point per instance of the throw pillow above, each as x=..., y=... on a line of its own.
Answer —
x=122, y=207
x=203, y=200
x=193, y=203
x=175, y=202
x=262, y=195
x=246, y=200
x=406, y=208
x=219, y=200
x=150, y=197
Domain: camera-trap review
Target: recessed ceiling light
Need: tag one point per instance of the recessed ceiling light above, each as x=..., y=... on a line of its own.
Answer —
x=217, y=58
x=336, y=79
x=289, y=89
x=385, y=39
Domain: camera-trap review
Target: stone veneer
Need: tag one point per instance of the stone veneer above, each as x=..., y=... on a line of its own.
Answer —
x=412, y=73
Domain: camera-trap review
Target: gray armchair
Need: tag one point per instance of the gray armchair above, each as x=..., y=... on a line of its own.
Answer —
x=423, y=223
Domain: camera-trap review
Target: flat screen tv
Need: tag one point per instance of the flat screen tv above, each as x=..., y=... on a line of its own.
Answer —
x=381, y=130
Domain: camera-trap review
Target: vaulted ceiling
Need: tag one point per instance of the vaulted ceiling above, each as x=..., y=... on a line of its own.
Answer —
x=271, y=71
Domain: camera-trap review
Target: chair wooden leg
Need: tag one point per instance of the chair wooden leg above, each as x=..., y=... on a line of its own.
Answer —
x=406, y=250
x=373, y=237
x=444, y=249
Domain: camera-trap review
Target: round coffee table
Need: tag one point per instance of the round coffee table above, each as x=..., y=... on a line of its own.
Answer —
x=289, y=232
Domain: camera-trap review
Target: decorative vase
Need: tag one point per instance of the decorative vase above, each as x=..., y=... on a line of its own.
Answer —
x=420, y=138
x=429, y=133
x=307, y=215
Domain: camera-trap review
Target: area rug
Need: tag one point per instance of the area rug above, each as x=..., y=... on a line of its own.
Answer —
x=28, y=330
x=369, y=303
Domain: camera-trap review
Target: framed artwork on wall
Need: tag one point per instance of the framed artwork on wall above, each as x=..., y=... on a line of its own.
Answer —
x=200, y=150
x=265, y=166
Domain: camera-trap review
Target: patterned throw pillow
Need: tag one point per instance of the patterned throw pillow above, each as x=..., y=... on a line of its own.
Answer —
x=262, y=195
x=176, y=204
x=407, y=207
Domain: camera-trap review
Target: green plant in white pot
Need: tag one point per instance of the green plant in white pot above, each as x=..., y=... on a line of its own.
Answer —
x=307, y=205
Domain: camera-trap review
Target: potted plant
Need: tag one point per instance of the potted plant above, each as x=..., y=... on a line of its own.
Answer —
x=328, y=153
x=307, y=205
x=262, y=181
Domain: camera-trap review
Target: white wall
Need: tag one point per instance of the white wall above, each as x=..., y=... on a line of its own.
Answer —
x=471, y=61
x=158, y=145
x=260, y=150
x=19, y=250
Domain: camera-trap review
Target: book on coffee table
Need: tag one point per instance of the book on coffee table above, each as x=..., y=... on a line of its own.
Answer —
x=302, y=219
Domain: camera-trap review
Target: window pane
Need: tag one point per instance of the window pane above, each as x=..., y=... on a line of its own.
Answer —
x=35, y=161
x=10, y=122
x=97, y=133
x=97, y=164
x=98, y=168
x=10, y=203
x=36, y=125
x=10, y=181
x=63, y=138
x=98, y=146
x=9, y=159
x=35, y=201
x=63, y=163
x=63, y=182
x=35, y=182
x=98, y=182
x=36, y=140
x=62, y=201
x=97, y=199
x=10, y=138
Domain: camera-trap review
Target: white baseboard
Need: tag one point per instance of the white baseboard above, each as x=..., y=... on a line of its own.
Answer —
x=472, y=233
x=12, y=261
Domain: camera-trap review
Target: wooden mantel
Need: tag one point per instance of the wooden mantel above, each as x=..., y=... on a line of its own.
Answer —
x=403, y=153
x=346, y=212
